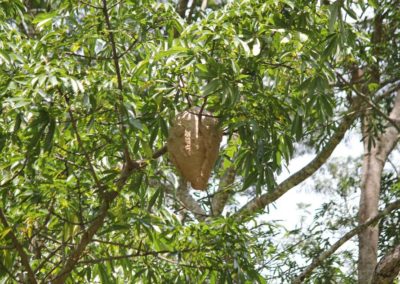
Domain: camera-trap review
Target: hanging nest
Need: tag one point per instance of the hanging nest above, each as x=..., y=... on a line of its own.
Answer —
x=193, y=145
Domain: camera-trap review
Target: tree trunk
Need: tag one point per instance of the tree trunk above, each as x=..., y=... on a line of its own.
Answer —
x=372, y=167
x=370, y=187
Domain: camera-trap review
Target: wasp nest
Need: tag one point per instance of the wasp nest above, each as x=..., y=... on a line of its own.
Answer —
x=193, y=146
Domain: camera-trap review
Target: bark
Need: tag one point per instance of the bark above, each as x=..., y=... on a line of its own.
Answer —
x=182, y=6
x=221, y=196
x=372, y=167
x=189, y=202
x=388, y=268
x=85, y=240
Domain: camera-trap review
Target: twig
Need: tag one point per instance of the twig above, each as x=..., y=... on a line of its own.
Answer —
x=202, y=108
x=132, y=45
x=78, y=138
x=88, y=56
x=115, y=4
x=127, y=157
x=90, y=5
x=16, y=174
x=277, y=65
x=51, y=254
x=369, y=102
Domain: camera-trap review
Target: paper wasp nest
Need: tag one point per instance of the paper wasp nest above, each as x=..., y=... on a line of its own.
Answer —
x=193, y=146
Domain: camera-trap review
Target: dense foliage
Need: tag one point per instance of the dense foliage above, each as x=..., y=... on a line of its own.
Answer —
x=88, y=90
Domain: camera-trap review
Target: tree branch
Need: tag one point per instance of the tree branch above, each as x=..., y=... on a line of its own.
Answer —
x=108, y=198
x=368, y=100
x=387, y=90
x=388, y=267
x=182, y=6
x=323, y=256
x=24, y=257
x=220, y=198
x=189, y=202
x=86, y=239
x=260, y=202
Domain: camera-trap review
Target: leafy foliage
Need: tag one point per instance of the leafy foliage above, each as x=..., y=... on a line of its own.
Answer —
x=87, y=88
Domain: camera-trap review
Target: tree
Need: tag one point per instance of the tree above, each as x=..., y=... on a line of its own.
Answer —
x=89, y=90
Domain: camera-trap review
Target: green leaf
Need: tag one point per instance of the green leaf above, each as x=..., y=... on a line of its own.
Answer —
x=374, y=4
x=172, y=51
x=136, y=123
x=211, y=87
x=334, y=12
x=48, y=140
x=4, y=233
x=140, y=67
x=153, y=199
x=44, y=18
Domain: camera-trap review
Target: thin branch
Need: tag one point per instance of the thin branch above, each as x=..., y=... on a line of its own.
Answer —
x=119, y=82
x=277, y=65
x=113, y=243
x=260, y=202
x=65, y=220
x=368, y=100
x=90, y=5
x=115, y=4
x=132, y=45
x=24, y=257
x=78, y=138
x=88, y=56
x=179, y=263
x=160, y=152
x=323, y=256
x=7, y=182
x=202, y=108
x=182, y=6
x=49, y=256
